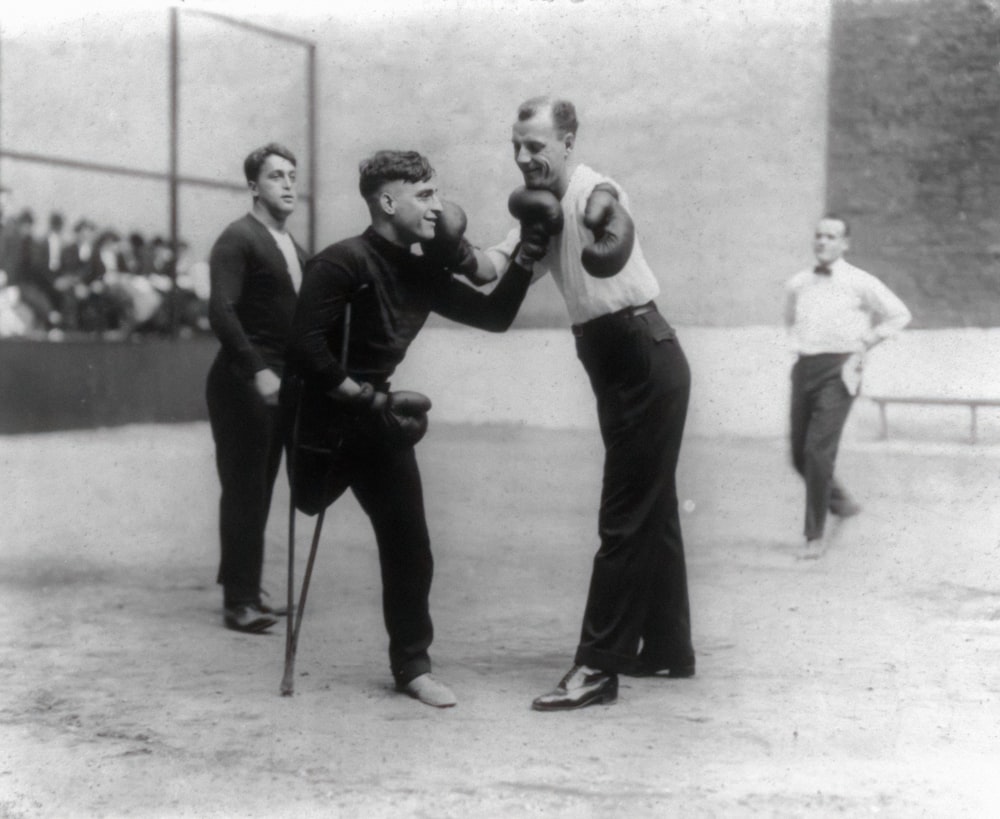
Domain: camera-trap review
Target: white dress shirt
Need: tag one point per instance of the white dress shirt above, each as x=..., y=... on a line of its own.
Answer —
x=287, y=248
x=586, y=296
x=845, y=311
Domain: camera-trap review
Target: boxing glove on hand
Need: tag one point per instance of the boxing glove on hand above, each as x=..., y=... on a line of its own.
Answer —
x=614, y=233
x=534, y=242
x=538, y=207
x=449, y=248
x=540, y=215
x=402, y=416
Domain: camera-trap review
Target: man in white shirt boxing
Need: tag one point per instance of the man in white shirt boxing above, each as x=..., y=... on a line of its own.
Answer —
x=637, y=618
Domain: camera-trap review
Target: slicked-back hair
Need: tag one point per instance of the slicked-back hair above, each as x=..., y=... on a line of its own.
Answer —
x=836, y=217
x=390, y=166
x=255, y=159
x=563, y=113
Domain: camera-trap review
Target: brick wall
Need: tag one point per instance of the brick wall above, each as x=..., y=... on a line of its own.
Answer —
x=914, y=150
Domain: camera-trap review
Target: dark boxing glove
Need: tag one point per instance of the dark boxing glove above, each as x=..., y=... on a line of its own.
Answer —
x=540, y=215
x=450, y=249
x=403, y=417
x=400, y=418
x=614, y=233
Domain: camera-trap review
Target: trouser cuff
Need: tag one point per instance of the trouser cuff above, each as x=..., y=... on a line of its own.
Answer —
x=411, y=670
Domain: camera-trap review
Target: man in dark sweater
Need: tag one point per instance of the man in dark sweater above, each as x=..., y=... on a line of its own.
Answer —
x=349, y=409
x=256, y=270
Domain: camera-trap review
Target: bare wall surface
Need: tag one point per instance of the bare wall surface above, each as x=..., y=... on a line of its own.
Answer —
x=915, y=150
x=713, y=117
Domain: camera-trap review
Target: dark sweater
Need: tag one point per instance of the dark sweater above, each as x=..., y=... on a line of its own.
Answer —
x=252, y=299
x=392, y=292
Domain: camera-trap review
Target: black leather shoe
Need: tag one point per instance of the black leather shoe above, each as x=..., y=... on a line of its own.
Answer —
x=580, y=687
x=248, y=618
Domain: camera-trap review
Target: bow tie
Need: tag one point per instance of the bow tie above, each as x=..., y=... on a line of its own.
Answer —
x=822, y=270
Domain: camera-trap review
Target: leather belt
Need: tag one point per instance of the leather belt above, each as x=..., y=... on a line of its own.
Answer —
x=625, y=312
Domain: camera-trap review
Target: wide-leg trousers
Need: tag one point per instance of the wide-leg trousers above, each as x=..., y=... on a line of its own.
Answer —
x=819, y=409
x=248, y=445
x=637, y=612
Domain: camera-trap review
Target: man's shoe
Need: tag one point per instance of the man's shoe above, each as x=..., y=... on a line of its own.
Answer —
x=580, y=687
x=429, y=691
x=814, y=549
x=248, y=618
x=845, y=509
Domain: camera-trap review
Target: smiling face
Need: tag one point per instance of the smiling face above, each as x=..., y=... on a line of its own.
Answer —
x=412, y=208
x=541, y=153
x=830, y=241
x=274, y=188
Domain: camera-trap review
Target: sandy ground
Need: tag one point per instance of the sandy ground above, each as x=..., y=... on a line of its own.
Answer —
x=865, y=683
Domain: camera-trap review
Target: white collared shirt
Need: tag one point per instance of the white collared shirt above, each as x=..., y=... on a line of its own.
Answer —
x=586, y=296
x=843, y=312
x=287, y=248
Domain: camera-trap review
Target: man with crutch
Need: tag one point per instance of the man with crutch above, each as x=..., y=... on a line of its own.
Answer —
x=352, y=431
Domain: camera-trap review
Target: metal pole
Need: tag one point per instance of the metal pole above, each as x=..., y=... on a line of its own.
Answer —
x=292, y=632
x=1, y=119
x=311, y=142
x=174, y=115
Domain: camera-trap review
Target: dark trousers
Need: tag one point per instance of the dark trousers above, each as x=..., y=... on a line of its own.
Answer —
x=819, y=409
x=248, y=445
x=385, y=479
x=637, y=607
x=387, y=484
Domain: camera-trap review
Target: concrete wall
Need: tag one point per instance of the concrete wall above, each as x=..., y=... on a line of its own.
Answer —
x=915, y=150
x=48, y=386
x=713, y=116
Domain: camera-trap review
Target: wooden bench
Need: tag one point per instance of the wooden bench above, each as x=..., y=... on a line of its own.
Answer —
x=972, y=403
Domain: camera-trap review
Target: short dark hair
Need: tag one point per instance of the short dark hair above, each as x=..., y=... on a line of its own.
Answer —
x=255, y=159
x=390, y=166
x=84, y=224
x=56, y=220
x=836, y=217
x=563, y=113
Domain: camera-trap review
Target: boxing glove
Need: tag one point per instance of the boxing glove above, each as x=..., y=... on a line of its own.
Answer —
x=614, y=233
x=540, y=215
x=537, y=207
x=399, y=418
x=449, y=248
x=403, y=417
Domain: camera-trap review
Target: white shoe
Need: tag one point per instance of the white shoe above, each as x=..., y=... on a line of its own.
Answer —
x=430, y=691
x=814, y=549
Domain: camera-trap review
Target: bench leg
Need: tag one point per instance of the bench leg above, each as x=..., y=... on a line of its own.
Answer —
x=883, y=432
x=973, y=427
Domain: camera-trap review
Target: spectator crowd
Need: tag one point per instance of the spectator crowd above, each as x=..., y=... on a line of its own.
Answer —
x=56, y=283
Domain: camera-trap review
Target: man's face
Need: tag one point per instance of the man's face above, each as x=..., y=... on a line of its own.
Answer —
x=830, y=243
x=275, y=186
x=414, y=208
x=540, y=153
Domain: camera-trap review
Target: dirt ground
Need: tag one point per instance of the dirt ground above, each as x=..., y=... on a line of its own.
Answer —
x=865, y=683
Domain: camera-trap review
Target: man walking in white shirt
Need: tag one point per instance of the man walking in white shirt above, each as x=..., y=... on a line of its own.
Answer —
x=835, y=312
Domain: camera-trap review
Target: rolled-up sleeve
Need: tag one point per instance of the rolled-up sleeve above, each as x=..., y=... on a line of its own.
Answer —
x=889, y=313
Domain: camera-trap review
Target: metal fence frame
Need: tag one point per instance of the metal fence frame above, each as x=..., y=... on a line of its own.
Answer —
x=172, y=176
